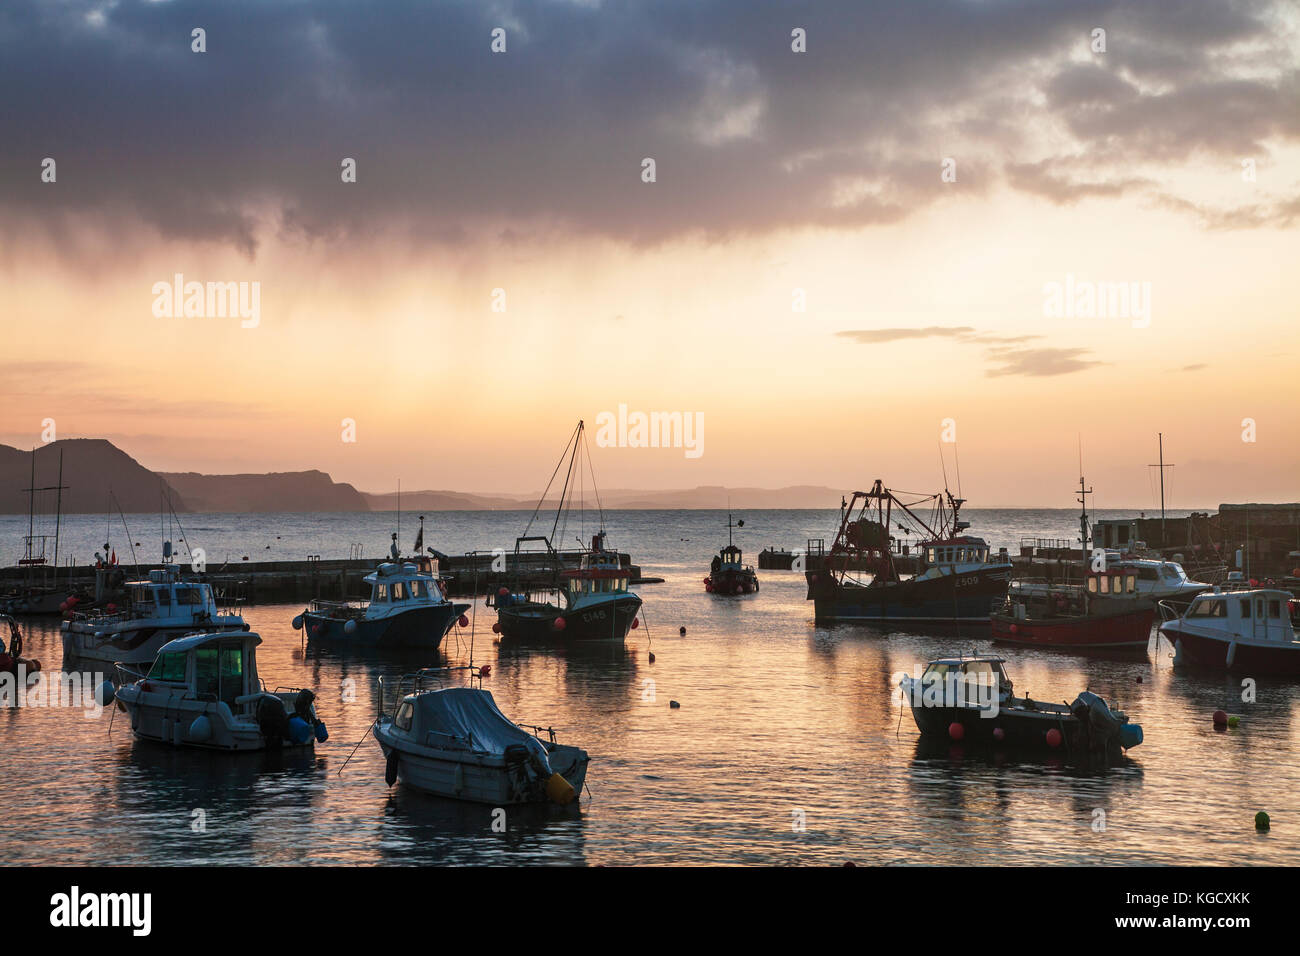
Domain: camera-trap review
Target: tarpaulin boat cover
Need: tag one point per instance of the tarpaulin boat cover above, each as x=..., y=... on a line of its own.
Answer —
x=468, y=718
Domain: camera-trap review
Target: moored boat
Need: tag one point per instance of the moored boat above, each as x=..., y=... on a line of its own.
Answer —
x=1104, y=613
x=455, y=742
x=958, y=579
x=203, y=690
x=407, y=608
x=161, y=607
x=1251, y=631
x=728, y=573
x=972, y=699
x=589, y=603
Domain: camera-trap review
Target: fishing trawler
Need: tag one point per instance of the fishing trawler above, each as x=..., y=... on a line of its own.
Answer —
x=728, y=573
x=407, y=606
x=588, y=603
x=161, y=607
x=455, y=742
x=1106, y=612
x=958, y=580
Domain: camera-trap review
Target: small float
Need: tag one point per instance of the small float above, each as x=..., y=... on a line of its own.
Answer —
x=455, y=742
x=972, y=699
x=204, y=691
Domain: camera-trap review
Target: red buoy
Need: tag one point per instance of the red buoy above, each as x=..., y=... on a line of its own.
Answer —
x=635, y=622
x=1053, y=738
x=999, y=734
x=558, y=624
x=485, y=670
x=463, y=621
x=956, y=731
x=1220, y=719
x=496, y=627
x=502, y=592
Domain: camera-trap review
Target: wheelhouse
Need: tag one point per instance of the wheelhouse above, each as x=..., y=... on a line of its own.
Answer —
x=164, y=594
x=393, y=584
x=217, y=667
x=598, y=572
x=1261, y=614
x=963, y=550
x=1113, y=583
x=732, y=557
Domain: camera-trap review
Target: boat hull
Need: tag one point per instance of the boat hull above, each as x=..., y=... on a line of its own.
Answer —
x=170, y=721
x=1131, y=629
x=963, y=597
x=534, y=622
x=1273, y=659
x=731, y=582
x=131, y=642
x=414, y=627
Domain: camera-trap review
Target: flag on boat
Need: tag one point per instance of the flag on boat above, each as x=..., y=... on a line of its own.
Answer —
x=419, y=540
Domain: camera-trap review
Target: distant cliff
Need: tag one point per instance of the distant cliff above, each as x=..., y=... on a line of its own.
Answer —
x=91, y=466
x=278, y=491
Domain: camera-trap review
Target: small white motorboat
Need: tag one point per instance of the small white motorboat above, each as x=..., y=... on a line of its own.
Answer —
x=204, y=691
x=1250, y=632
x=162, y=607
x=454, y=742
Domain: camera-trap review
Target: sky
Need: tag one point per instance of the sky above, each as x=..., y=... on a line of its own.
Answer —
x=867, y=249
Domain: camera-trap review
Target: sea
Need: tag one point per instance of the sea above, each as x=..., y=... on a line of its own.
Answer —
x=789, y=744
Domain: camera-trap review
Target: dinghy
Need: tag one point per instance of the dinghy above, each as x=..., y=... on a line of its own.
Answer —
x=455, y=742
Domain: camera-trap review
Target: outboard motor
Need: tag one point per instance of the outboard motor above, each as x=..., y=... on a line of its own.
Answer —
x=272, y=720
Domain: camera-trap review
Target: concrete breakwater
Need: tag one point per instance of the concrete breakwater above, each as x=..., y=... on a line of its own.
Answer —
x=280, y=582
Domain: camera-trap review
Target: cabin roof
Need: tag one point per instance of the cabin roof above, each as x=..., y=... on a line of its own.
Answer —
x=389, y=571
x=191, y=641
x=978, y=658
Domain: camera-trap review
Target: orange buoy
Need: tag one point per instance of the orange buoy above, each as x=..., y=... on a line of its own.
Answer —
x=1054, y=738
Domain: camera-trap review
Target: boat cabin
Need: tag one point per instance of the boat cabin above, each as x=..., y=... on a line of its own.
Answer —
x=598, y=572
x=1263, y=614
x=966, y=549
x=967, y=677
x=219, y=666
x=1115, y=582
x=393, y=585
x=164, y=594
x=732, y=557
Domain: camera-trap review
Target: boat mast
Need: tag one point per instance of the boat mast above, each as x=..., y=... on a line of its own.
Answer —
x=1085, y=531
x=58, y=515
x=1162, y=466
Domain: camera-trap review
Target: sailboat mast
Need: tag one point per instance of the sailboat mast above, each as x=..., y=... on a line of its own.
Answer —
x=58, y=515
x=1161, y=436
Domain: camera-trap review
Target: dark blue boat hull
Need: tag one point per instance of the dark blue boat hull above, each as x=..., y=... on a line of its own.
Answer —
x=968, y=597
x=415, y=627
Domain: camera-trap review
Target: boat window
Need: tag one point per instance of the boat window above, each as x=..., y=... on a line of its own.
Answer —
x=1148, y=574
x=232, y=673
x=1104, y=584
x=1092, y=585
x=929, y=555
x=402, y=721
x=168, y=667
x=1131, y=583
x=381, y=592
x=189, y=594
x=207, y=682
x=163, y=596
x=1245, y=608
x=1209, y=607
x=1274, y=608
x=418, y=589
x=1259, y=607
x=399, y=591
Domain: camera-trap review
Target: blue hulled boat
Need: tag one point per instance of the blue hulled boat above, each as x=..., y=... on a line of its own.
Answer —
x=407, y=608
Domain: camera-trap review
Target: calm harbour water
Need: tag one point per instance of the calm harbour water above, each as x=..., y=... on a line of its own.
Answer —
x=777, y=718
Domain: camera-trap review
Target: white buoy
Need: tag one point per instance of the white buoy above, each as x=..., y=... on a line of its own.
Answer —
x=350, y=627
x=105, y=693
x=297, y=623
x=201, y=729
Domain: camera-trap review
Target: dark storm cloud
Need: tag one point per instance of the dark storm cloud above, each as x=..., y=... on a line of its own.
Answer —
x=247, y=138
